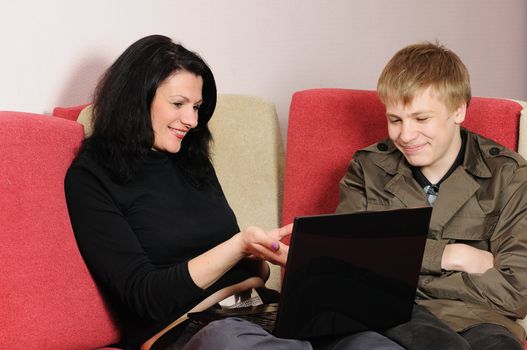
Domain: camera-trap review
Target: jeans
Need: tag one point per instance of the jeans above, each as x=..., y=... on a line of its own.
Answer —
x=425, y=331
x=235, y=334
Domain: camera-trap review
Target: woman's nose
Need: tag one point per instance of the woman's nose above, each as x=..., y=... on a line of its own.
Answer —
x=190, y=117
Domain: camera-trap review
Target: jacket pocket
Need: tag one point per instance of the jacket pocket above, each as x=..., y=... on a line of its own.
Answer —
x=470, y=227
x=383, y=204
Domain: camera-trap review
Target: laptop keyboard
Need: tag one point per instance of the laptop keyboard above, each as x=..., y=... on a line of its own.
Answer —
x=262, y=315
x=249, y=302
x=266, y=320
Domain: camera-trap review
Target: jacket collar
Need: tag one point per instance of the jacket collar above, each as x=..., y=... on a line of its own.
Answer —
x=455, y=191
x=473, y=161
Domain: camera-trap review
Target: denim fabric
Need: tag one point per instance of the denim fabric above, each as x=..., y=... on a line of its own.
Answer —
x=235, y=333
x=425, y=331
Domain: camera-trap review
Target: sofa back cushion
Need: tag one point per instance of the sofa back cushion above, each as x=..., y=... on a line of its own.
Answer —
x=326, y=126
x=48, y=298
x=70, y=113
x=248, y=156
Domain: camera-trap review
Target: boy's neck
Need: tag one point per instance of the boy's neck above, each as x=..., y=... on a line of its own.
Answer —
x=439, y=172
x=435, y=176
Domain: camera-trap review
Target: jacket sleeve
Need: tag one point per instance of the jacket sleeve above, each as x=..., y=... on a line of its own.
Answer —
x=433, y=256
x=502, y=288
x=116, y=258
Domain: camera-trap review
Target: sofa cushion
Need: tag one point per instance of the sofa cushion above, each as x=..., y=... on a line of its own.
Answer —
x=249, y=162
x=325, y=128
x=49, y=300
x=522, y=137
x=70, y=113
x=85, y=118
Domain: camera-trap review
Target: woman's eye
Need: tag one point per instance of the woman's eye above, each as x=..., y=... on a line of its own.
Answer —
x=178, y=104
x=196, y=108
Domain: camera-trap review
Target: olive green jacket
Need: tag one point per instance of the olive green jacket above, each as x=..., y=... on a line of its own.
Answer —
x=483, y=203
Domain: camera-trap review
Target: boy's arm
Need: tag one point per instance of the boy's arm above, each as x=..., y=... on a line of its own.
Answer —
x=465, y=258
x=502, y=287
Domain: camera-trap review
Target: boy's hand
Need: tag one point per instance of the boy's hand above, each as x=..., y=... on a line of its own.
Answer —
x=462, y=257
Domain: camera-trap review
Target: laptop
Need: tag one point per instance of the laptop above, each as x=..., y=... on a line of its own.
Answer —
x=345, y=273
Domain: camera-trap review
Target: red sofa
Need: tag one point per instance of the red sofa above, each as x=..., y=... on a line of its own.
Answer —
x=48, y=298
x=326, y=126
x=51, y=301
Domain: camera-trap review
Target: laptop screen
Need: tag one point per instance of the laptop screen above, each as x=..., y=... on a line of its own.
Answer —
x=352, y=272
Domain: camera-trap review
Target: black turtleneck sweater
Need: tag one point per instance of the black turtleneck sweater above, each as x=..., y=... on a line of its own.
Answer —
x=137, y=238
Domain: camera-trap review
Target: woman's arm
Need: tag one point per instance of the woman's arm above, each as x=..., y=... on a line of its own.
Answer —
x=254, y=242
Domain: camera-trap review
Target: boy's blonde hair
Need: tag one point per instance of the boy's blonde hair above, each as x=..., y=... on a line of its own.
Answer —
x=417, y=67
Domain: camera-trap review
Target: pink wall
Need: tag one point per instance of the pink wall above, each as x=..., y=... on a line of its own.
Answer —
x=54, y=51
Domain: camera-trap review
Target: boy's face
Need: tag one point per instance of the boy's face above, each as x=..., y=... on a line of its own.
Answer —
x=426, y=132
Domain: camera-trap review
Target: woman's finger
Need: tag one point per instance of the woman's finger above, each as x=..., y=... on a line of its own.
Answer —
x=281, y=232
x=278, y=257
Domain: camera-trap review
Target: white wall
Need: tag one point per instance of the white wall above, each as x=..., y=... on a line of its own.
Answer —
x=52, y=52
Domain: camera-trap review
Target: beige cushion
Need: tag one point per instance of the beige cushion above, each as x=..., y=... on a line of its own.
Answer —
x=522, y=140
x=248, y=156
x=85, y=118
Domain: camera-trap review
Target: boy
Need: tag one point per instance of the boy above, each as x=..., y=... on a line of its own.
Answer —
x=473, y=281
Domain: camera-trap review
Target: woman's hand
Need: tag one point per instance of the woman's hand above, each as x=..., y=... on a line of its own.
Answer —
x=207, y=268
x=256, y=243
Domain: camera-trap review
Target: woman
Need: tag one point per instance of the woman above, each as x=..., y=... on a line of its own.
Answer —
x=148, y=212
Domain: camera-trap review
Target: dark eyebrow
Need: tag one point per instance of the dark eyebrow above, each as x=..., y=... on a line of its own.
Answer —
x=186, y=98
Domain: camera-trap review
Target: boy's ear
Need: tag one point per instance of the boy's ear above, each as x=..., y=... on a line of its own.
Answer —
x=460, y=112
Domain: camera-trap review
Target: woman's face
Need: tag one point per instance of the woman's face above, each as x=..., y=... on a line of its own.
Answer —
x=174, y=110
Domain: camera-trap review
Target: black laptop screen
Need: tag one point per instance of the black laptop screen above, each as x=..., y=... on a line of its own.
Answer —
x=351, y=272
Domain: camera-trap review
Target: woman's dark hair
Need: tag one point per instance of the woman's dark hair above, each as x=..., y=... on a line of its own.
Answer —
x=122, y=126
